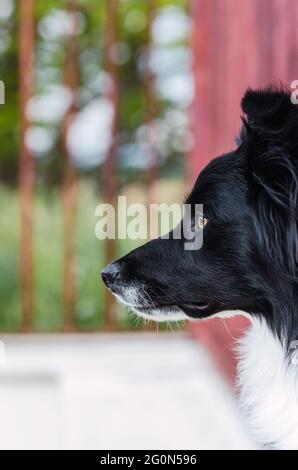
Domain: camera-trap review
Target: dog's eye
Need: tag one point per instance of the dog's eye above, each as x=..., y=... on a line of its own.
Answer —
x=201, y=222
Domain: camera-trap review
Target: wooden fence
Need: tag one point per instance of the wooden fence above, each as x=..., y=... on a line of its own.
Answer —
x=108, y=175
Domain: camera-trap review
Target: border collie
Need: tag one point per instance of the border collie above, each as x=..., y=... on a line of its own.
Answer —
x=247, y=264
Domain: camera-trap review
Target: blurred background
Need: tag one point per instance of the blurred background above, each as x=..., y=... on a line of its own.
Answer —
x=104, y=98
x=97, y=99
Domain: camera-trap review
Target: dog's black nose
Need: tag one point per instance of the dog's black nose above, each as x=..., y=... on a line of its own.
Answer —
x=110, y=273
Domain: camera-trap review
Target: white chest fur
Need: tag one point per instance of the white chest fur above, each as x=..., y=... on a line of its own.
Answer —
x=268, y=389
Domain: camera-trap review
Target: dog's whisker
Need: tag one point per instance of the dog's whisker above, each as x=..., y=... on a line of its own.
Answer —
x=148, y=295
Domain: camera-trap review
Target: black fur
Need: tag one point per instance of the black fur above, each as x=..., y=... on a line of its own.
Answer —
x=249, y=258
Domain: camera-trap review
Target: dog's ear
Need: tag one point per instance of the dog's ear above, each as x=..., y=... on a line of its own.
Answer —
x=270, y=133
x=268, y=110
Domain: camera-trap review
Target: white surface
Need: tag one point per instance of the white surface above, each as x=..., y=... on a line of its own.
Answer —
x=114, y=391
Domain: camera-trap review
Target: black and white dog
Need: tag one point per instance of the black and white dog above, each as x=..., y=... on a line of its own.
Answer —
x=248, y=263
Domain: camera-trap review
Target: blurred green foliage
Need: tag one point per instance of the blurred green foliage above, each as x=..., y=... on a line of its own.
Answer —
x=48, y=239
x=48, y=242
x=49, y=61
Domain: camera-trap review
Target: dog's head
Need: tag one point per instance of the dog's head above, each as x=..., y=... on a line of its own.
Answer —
x=249, y=254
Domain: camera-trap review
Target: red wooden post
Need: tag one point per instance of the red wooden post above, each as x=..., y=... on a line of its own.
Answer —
x=109, y=183
x=70, y=189
x=285, y=40
x=151, y=107
x=26, y=168
x=265, y=43
x=241, y=62
x=203, y=43
x=293, y=46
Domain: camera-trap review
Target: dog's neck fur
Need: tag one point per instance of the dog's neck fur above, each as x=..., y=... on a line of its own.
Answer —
x=268, y=383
